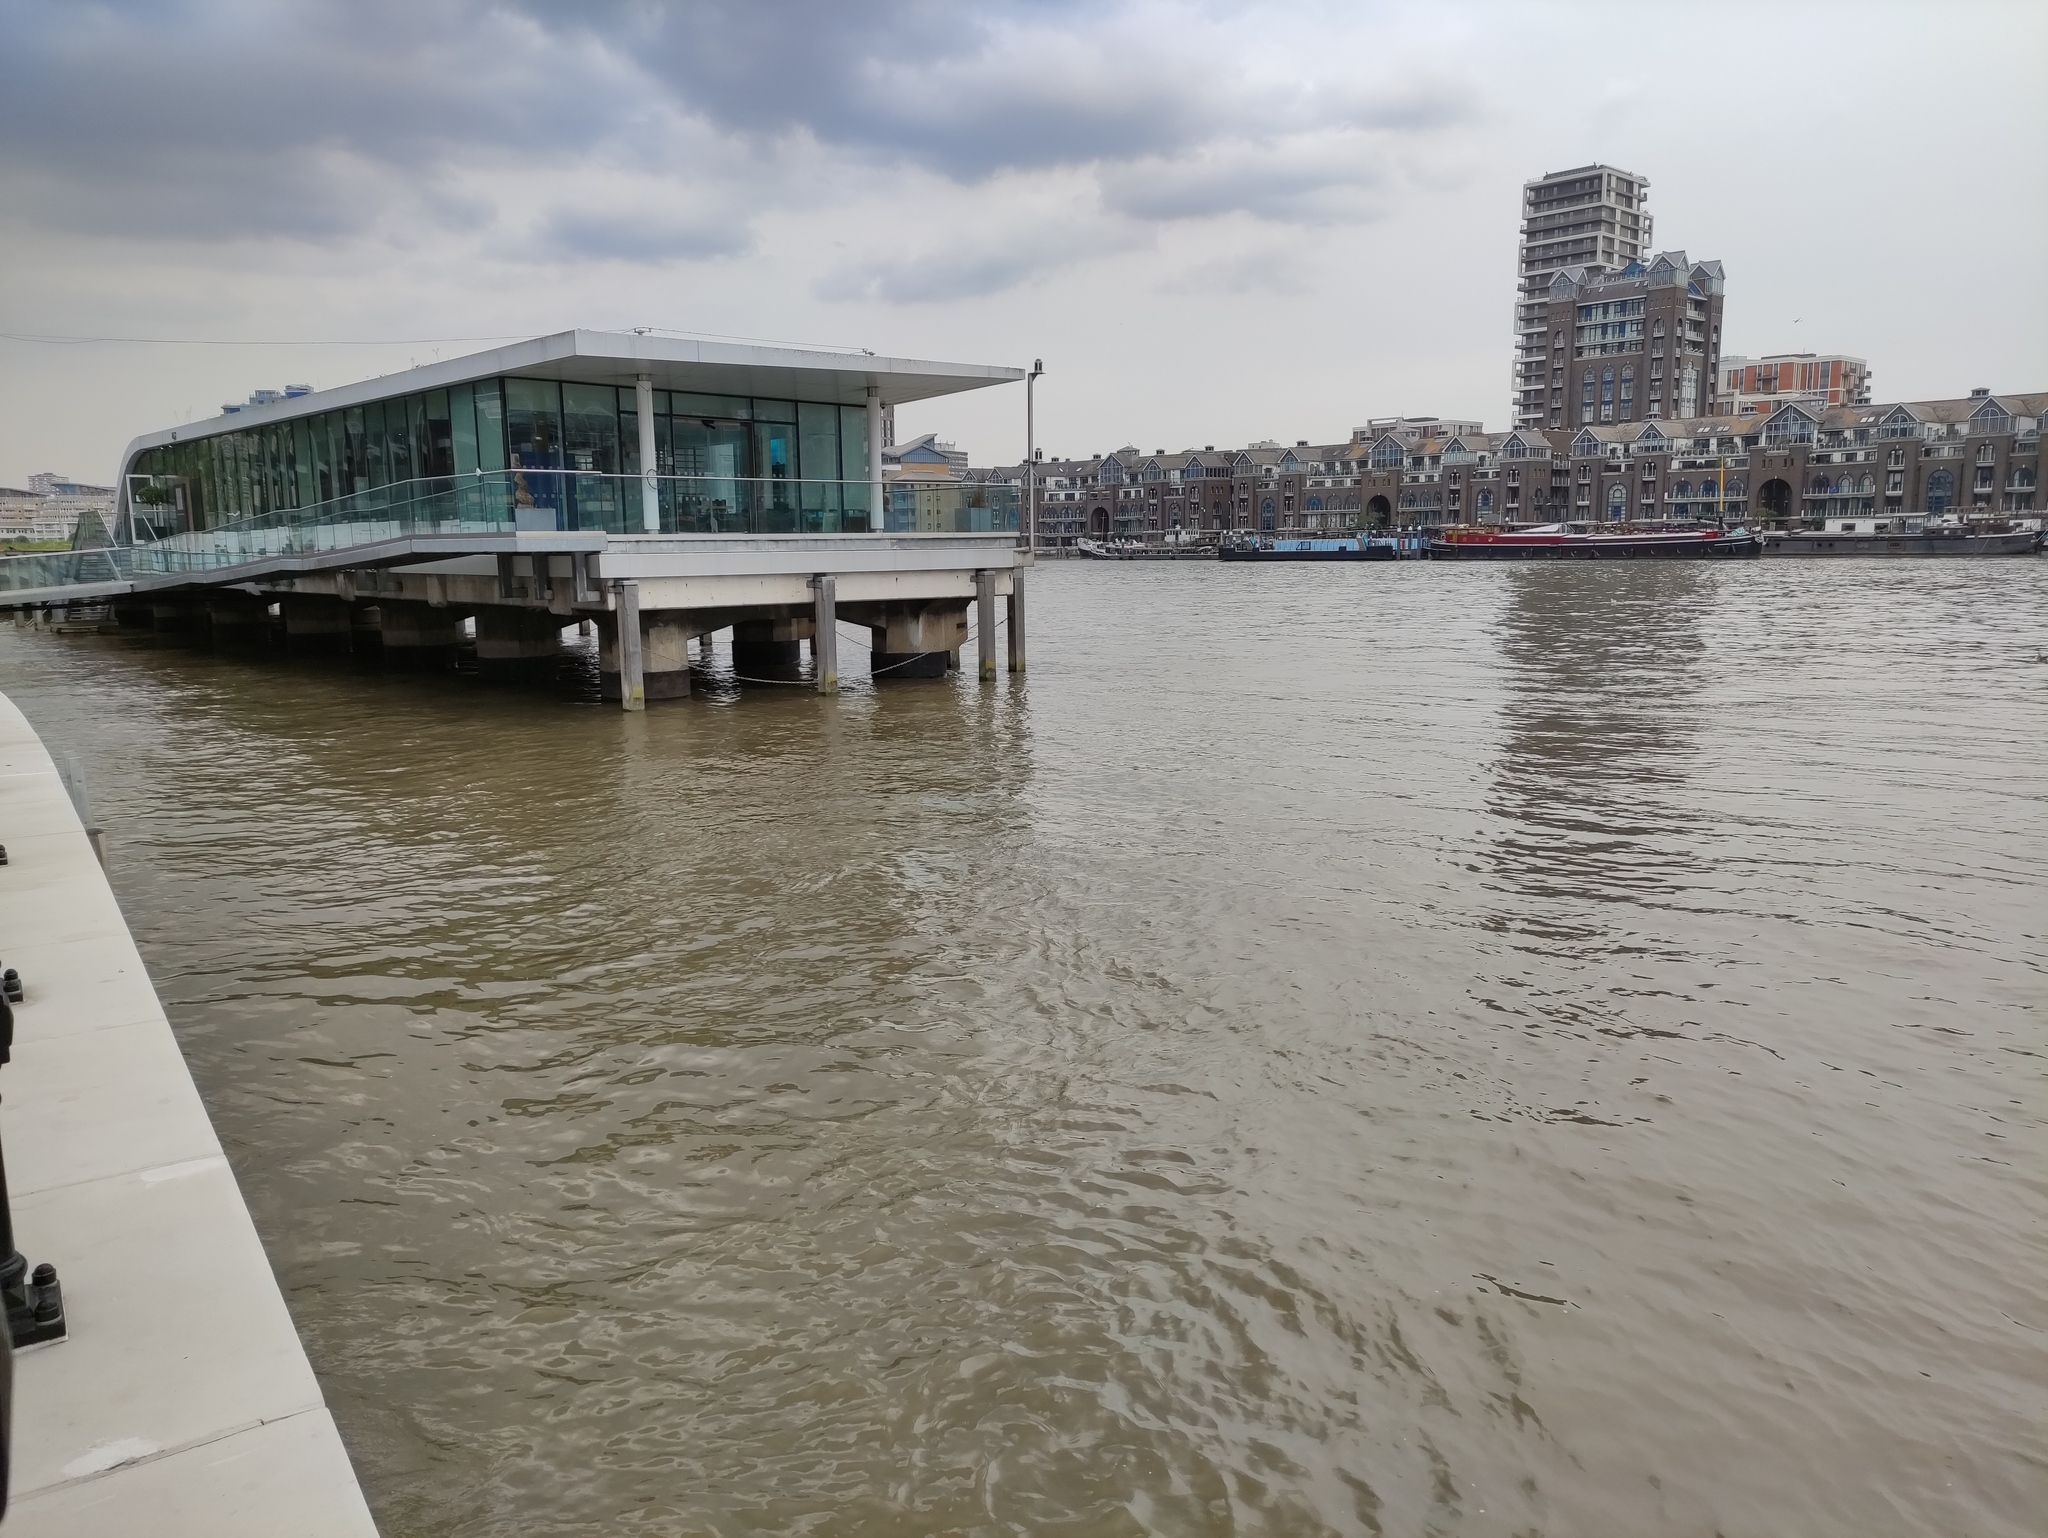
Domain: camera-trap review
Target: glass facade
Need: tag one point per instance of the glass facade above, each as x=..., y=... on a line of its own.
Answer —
x=537, y=453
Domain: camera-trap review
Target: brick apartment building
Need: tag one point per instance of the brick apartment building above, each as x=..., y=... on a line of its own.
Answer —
x=1747, y=387
x=1589, y=219
x=1632, y=345
x=1979, y=455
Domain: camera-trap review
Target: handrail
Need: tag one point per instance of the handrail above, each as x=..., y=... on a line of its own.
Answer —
x=531, y=499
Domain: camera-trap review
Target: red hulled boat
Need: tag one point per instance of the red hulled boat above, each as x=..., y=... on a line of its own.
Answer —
x=1594, y=542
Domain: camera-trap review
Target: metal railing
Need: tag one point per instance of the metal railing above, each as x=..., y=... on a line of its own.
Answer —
x=524, y=500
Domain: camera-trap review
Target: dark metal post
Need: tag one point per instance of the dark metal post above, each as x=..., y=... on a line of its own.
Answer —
x=34, y=1300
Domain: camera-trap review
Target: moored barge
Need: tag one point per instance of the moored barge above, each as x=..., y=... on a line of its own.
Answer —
x=1572, y=542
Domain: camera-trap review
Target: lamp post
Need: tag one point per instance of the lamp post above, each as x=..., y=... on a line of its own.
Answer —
x=1031, y=460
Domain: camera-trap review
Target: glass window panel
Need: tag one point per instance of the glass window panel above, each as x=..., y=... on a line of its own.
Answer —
x=373, y=436
x=247, y=492
x=462, y=430
x=354, y=455
x=590, y=445
x=436, y=435
x=302, y=463
x=323, y=456
x=817, y=432
x=490, y=430
x=274, y=469
x=853, y=466
x=775, y=476
x=533, y=444
x=735, y=407
x=774, y=411
x=216, y=480
x=398, y=440
x=711, y=465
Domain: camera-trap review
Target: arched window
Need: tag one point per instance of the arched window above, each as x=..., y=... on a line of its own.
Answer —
x=1683, y=489
x=1986, y=454
x=1617, y=495
x=1707, y=487
x=1315, y=504
x=1737, y=486
x=1486, y=501
x=1820, y=486
x=1867, y=486
x=1586, y=388
x=1606, y=386
x=1941, y=490
x=2023, y=480
x=1387, y=456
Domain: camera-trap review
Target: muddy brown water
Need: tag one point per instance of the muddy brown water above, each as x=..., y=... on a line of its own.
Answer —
x=1348, y=1049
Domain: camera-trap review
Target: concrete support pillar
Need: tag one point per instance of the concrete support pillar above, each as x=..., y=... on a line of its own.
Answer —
x=665, y=655
x=763, y=647
x=825, y=634
x=517, y=644
x=417, y=635
x=650, y=469
x=632, y=680
x=316, y=623
x=238, y=619
x=918, y=643
x=129, y=615
x=985, y=624
x=875, y=521
x=1016, y=622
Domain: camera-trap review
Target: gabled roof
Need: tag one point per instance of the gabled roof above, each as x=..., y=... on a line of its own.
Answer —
x=1795, y=408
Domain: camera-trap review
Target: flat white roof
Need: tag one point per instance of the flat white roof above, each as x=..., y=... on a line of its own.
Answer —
x=619, y=358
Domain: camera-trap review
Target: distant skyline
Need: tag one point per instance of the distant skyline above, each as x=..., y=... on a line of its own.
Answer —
x=1214, y=223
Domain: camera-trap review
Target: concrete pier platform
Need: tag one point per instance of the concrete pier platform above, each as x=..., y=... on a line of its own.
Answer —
x=181, y=1404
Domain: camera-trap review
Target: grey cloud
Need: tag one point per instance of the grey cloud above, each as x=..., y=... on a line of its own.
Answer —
x=638, y=235
x=1294, y=183
x=218, y=120
x=221, y=122
x=935, y=277
x=1260, y=272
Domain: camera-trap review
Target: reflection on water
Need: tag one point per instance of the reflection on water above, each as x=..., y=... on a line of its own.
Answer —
x=1384, y=1050
x=1601, y=714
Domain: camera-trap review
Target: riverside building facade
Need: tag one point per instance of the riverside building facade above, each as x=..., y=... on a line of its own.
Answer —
x=1804, y=462
x=1590, y=219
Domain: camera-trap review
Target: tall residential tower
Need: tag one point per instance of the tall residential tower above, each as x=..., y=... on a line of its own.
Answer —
x=1591, y=218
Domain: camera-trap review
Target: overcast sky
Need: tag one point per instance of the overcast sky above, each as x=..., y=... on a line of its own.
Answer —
x=1214, y=222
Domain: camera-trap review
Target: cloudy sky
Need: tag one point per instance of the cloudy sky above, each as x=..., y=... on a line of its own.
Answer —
x=1214, y=222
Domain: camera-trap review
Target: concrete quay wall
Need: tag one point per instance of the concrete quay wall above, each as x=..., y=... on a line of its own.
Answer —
x=181, y=1404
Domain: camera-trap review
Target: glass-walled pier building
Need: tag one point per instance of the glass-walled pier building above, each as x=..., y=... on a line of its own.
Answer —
x=550, y=435
x=664, y=490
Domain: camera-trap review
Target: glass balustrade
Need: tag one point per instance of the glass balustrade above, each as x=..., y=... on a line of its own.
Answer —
x=530, y=500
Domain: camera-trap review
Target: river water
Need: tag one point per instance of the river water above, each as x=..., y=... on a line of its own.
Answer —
x=1393, y=1049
